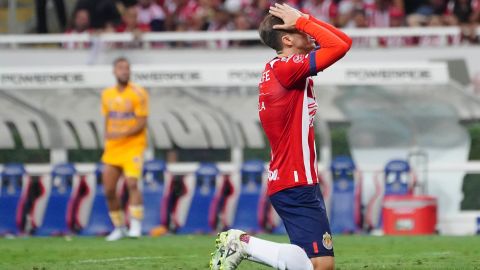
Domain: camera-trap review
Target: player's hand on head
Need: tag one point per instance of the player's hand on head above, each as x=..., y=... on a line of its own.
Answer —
x=288, y=14
x=296, y=10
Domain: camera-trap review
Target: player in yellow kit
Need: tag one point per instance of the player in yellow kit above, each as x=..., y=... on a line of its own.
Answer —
x=125, y=108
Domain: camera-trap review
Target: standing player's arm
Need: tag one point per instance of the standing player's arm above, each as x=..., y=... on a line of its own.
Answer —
x=110, y=135
x=106, y=133
x=140, y=124
x=141, y=113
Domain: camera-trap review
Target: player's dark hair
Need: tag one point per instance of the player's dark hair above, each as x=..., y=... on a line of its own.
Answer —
x=120, y=59
x=269, y=36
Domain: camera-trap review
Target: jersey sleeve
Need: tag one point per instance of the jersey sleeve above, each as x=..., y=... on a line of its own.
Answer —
x=293, y=70
x=332, y=29
x=332, y=47
x=141, y=105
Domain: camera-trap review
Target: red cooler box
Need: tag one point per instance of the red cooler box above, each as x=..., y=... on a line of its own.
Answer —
x=409, y=215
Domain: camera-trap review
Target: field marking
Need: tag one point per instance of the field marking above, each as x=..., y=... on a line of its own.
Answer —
x=437, y=253
x=121, y=259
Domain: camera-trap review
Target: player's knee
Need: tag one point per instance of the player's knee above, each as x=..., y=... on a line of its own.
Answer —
x=323, y=263
x=293, y=257
x=132, y=185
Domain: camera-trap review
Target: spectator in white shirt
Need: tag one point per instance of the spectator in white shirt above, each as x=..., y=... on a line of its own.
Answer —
x=151, y=14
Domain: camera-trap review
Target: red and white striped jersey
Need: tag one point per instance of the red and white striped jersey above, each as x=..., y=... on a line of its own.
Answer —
x=287, y=107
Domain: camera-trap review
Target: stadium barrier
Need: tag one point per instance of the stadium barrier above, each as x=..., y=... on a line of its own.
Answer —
x=13, y=177
x=69, y=202
x=443, y=33
x=235, y=75
x=451, y=223
x=462, y=223
x=343, y=196
x=153, y=185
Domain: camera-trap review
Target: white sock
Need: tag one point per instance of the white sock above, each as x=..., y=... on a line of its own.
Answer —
x=278, y=256
x=293, y=257
x=263, y=251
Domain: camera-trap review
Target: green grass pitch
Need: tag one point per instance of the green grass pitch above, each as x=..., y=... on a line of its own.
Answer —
x=192, y=252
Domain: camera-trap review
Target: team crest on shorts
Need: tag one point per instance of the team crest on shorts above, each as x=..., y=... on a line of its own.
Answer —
x=327, y=241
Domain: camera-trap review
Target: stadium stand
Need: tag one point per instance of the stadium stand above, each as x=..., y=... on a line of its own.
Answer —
x=191, y=15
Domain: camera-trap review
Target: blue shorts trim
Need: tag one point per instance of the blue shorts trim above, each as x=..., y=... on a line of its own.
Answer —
x=303, y=212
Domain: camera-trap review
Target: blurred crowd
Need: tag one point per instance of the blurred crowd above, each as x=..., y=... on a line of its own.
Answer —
x=217, y=15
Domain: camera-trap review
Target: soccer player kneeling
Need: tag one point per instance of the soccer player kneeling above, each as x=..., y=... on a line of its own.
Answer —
x=287, y=106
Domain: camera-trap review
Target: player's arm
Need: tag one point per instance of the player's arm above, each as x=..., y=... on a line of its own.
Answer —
x=105, y=131
x=332, y=47
x=104, y=108
x=140, y=124
x=141, y=113
x=334, y=44
x=331, y=28
x=108, y=135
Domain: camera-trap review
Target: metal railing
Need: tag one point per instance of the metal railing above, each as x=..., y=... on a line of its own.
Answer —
x=472, y=167
x=443, y=33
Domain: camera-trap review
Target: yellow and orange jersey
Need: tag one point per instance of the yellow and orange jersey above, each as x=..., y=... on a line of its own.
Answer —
x=120, y=110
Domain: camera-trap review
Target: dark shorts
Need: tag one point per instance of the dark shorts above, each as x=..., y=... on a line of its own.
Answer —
x=302, y=210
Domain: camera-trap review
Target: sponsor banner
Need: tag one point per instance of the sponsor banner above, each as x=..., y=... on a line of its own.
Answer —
x=217, y=75
x=387, y=74
x=55, y=77
x=147, y=76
